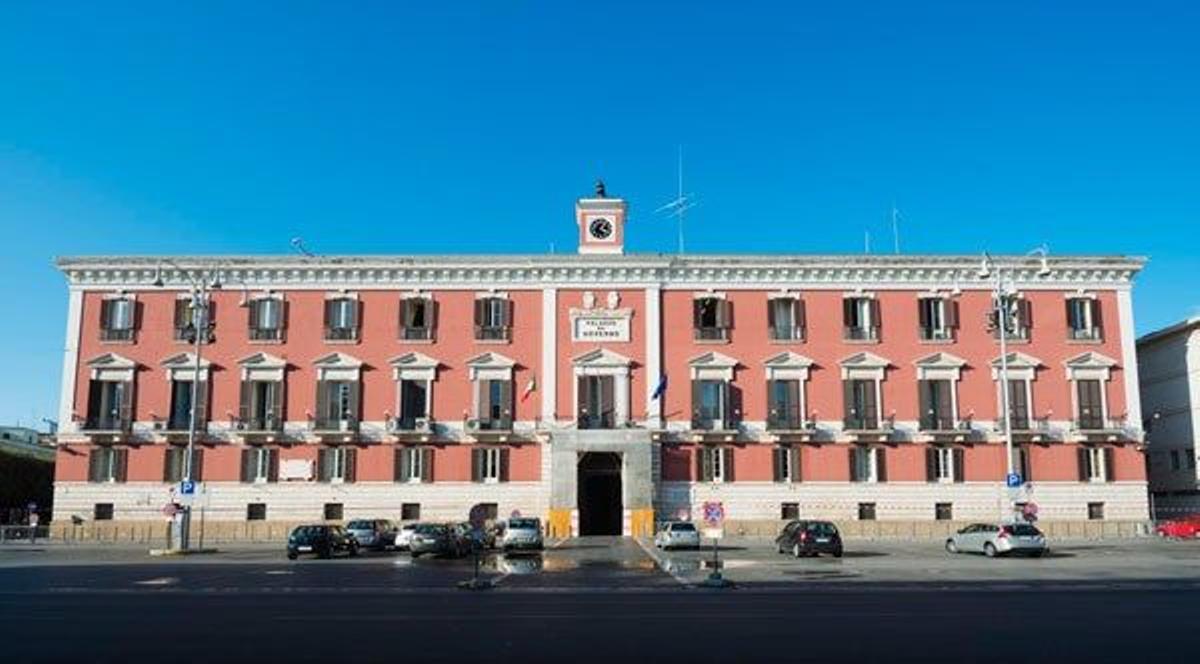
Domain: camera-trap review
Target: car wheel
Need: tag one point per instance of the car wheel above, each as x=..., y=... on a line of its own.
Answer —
x=778, y=548
x=796, y=550
x=951, y=547
x=989, y=550
x=415, y=555
x=291, y=556
x=837, y=553
x=353, y=551
x=324, y=554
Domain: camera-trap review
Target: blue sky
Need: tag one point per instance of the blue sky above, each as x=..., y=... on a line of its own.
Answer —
x=376, y=128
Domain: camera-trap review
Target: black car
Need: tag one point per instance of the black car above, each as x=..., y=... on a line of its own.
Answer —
x=809, y=538
x=321, y=541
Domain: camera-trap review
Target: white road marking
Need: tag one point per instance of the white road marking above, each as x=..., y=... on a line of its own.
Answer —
x=159, y=581
x=658, y=560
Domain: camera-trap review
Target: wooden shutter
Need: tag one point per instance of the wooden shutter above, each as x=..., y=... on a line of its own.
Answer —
x=244, y=412
x=777, y=463
x=506, y=401
x=795, y=417
x=252, y=314
x=881, y=464
x=696, y=393
x=170, y=459
x=584, y=397
x=480, y=315
x=848, y=312
x=724, y=314
x=202, y=389
x=1108, y=464
x=431, y=313
x=848, y=405
x=931, y=464
x=733, y=410
x=924, y=402
x=852, y=454
x=182, y=315
x=1082, y=457
x=704, y=464
x=923, y=313
x=771, y=313
x=960, y=458
x=400, y=467
x=870, y=408
x=951, y=314
x=1097, y=322
x=351, y=470
x=330, y=312
x=944, y=403
x=95, y=396
x=799, y=314
x=426, y=464
x=355, y=401
x=508, y=313
x=876, y=318
x=504, y=455
x=323, y=465
x=272, y=465
x=1025, y=314
x=477, y=465
x=1017, y=404
x=248, y=464
x=403, y=317
x=697, y=313
x=105, y=308
x=197, y=464
x=95, y=463
x=125, y=412
x=608, y=400
x=122, y=470
x=794, y=458
x=727, y=464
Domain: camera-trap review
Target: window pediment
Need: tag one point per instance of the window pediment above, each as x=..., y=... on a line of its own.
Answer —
x=939, y=366
x=490, y=366
x=111, y=366
x=182, y=366
x=263, y=366
x=338, y=366
x=1089, y=365
x=1020, y=366
x=864, y=365
x=712, y=366
x=414, y=366
x=787, y=366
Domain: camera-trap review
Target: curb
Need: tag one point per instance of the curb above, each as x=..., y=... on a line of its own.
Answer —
x=181, y=552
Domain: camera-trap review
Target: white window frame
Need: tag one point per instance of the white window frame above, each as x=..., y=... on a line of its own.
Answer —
x=872, y=464
x=786, y=469
x=338, y=464
x=110, y=466
x=262, y=465
x=416, y=464
x=944, y=466
x=940, y=331
x=716, y=457
x=489, y=471
x=1096, y=467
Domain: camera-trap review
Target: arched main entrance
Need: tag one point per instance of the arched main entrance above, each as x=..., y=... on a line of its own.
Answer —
x=599, y=487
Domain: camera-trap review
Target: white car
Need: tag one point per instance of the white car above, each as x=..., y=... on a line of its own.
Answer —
x=522, y=533
x=677, y=535
x=995, y=539
x=404, y=536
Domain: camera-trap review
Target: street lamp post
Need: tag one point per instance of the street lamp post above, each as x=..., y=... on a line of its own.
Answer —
x=199, y=325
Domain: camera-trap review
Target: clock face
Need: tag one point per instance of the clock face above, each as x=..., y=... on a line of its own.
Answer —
x=601, y=229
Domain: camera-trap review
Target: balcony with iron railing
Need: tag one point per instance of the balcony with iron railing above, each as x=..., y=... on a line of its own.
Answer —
x=787, y=418
x=860, y=333
x=416, y=333
x=1084, y=334
x=492, y=332
x=117, y=334
x=603, y=420
x=266, y=334
x=337, y=333
x=786, y=333
x=107, y=424
x=343, y=424
x=711, y=333
x=266, y=423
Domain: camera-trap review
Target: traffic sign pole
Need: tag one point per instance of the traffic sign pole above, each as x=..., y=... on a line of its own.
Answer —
x=714, y=518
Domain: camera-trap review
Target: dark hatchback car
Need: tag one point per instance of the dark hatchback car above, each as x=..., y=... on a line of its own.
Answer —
x=809, y=538
x=321, y=541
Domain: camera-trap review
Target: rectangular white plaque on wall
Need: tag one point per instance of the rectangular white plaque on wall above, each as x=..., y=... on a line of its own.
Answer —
x=600, y=328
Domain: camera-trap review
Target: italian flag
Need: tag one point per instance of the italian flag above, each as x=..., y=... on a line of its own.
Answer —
x=529, y=388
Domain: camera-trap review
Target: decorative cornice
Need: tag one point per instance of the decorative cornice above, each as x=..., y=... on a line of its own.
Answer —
x=683, y=272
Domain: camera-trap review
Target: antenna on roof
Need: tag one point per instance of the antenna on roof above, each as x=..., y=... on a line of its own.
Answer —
x=681, y=204
x=298, y=245
x=866, y=242
x=896, y=226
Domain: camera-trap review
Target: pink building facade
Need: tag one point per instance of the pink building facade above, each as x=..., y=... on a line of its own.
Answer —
x=601, y=391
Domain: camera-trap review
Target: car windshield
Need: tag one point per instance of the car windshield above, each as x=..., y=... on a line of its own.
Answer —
x=524, y=524
x=1023, y=530
x=431, y=529
x=683, y=527
x=306, y=531
x=822, y=529
x=360, y=525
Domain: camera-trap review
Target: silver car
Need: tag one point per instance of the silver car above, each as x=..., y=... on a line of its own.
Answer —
x=522, y=533
x=993, y=539
x=373, y=533
x=677, y=535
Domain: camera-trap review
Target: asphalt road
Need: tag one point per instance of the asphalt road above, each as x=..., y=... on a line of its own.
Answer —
x=585, y=600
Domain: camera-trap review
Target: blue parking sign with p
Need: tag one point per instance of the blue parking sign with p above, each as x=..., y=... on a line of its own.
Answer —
x=1013, y=480
x=187, y=488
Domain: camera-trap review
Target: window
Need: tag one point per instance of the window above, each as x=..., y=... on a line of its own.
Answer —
x=1021, y=463
x=868, y=464
x=1017, y=318
x=785, y=318
x=937, y=318
x=866, y=511
x=936, y=398
x=596, y=402
x=1095, y=511
x=333, y=511
x=174, y=469
x=261, y=407
x=786, y=464
x=117, y=319
x=1090, y=404
x=184, y=321
x=414, y=405
x=789, y=511
x=341, y=319
x=1175, y=461
x=493, y=318
x=714, y=464
x=260, y=464
x=102, y=512
x=414, y=464
x=862, y=408
x=1018, y=404
x=783, y=409
x=711, y=318
x=336, y=464
x=266, y=319
x=943, y=511
x=417, y=318
x=1083, y=318
x=495, y=405
x=337, y=405
x=860, y=318
x=489, y=465
x=110, y=405
x=107, y=464
x=1095, y=464
x=180, y=418
x=256, y=511
x=711, y=405
x=410, y=511
x=944, y=464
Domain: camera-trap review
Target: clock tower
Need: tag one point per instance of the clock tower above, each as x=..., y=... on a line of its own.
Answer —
x=601, y=223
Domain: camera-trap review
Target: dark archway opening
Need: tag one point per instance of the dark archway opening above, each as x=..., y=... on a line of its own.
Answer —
x=599, y=485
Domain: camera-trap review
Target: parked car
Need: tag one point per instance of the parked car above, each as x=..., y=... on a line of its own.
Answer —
x=378, y=534
x=677, y=535
x=323, y=541
x=437, y=539
x=992, y=539
x=809, y=538
x=1187, y=526
x=404, y=535
x=522, y=533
